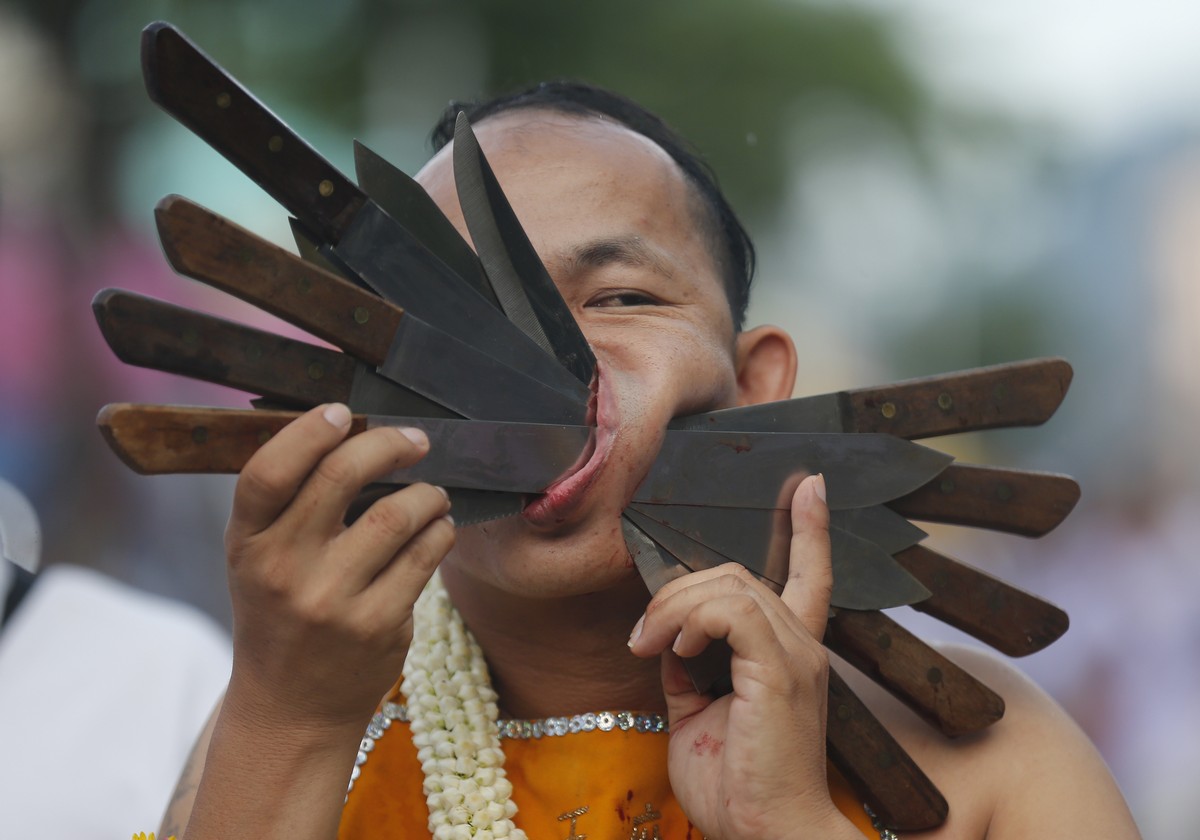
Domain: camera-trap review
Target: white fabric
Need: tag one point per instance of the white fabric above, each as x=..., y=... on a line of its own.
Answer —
x=103, y=690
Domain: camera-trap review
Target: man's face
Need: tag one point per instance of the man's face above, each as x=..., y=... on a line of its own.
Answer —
x=617, y=226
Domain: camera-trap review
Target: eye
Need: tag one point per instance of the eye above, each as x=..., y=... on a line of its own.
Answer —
x=622, y=297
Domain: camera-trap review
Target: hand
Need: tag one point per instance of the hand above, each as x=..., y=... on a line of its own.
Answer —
x=751, y=764
x=322, y=611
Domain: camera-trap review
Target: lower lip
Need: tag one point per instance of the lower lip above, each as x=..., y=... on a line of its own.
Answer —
x=564, y=496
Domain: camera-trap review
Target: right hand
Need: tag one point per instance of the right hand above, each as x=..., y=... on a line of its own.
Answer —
x=322, y=612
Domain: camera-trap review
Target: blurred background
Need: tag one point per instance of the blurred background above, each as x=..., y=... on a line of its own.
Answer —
x=932, y=186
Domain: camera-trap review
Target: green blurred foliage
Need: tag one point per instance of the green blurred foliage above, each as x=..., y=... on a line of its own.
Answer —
x=730, y=76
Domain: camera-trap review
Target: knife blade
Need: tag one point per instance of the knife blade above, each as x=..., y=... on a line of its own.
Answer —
x=150, y=333
x=865, y=577
x=406, y=201
x=761, y=469
x=473, y=454
x=206, y=247
x=523, y=286
x=1025, y=393
x=864, y=574
x=202, y=96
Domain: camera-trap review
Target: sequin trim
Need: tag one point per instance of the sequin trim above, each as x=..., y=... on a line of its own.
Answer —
x=520, y=730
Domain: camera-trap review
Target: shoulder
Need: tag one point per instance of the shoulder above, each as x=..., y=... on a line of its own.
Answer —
x=1033, y=773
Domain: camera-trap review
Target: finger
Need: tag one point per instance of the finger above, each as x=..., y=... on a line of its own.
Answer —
x=321, y=503
x=274, y=473
x=683, y=700
x=396, y=588
x=665, y=616
x=810, y=573
x=739, y=619
x=386, y=528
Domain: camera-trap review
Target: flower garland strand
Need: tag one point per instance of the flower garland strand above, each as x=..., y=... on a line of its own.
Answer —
x=454, y=715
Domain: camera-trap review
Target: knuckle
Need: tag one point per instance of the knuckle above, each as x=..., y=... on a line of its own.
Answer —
x=338, y=472
x=391, y=516
x=261, y=479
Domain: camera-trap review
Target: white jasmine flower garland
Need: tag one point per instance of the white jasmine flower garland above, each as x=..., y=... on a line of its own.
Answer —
x=454, y=715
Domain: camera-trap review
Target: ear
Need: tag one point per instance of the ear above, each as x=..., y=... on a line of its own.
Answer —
x=766, y=365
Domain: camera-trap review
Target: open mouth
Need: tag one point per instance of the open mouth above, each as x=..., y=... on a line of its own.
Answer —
x=557, y=501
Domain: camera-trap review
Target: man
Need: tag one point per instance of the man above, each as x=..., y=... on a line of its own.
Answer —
x=654, y=267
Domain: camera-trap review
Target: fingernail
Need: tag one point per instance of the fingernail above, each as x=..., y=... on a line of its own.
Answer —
x=819, y=486
x=637, y=631
x=449, y=519
x=443, y=491
x=418, y=437
x=337, y=415
x=675, y=644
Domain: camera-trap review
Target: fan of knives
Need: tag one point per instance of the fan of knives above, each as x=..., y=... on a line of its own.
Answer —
x=477, y=348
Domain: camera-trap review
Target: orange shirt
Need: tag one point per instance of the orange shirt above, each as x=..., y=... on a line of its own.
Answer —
x=605, y=785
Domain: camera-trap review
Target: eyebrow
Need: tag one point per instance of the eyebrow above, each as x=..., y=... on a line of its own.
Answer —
x=621, y=250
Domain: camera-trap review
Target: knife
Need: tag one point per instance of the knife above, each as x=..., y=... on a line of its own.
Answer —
x=154, y=334
x=406, y=201
x=164, y=443
x=1025, y=393
x=524, y=287
x=379, y=251
x=206, y=247
x=513, y=457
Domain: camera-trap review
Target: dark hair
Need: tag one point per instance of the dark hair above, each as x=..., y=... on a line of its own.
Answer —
x=734, y=253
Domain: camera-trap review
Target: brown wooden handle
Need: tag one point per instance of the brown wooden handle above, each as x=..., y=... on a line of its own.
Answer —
x=877, y=767
x=160, y=439
x=1013, y=501
x=1017, y=394
x=150, y=333
x=937, y=689
x=207, y=247
x=997, y=613
x=193, y=89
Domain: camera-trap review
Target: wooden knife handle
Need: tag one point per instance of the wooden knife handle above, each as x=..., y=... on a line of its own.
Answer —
x=877, y=767
x=1014, y=501
x=207, y=247
x=997, y=613
x=160, y=439
x=934, y=687
x=1023, y=393
x=197, y=92
x=150, y=333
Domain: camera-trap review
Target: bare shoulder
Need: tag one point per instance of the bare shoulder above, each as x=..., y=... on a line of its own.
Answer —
x=1032, y=774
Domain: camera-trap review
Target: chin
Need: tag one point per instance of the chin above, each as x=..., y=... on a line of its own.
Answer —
x=513, y=557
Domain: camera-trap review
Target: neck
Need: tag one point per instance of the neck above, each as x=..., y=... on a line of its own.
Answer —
x=561, y=656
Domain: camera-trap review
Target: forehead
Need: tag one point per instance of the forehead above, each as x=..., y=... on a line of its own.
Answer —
x=582, y=176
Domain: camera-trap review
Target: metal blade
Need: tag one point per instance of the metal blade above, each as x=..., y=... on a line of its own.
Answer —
x=864, y=575
x=522, y=284
x=406, y=201
x=763, y=469
x=390, y=260
x=468, y=507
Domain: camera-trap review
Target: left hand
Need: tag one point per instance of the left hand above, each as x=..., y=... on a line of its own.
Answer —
x=751, y=764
